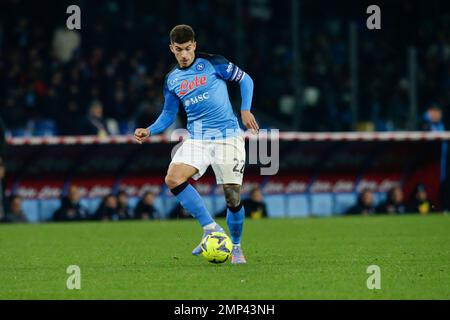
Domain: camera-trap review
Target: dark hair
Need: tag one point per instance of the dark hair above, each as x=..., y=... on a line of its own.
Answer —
x=182, y=33
x=435, y=107
x=121, y=192
x=14, y=197
x=254, y=189
x=391, y=192
x=365, y=190
x=146, y=193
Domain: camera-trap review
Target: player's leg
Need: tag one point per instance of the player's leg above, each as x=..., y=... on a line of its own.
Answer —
x=228, y=166
x=177, y=181
x=235, y=220
x=235, y=211
x=191, y=161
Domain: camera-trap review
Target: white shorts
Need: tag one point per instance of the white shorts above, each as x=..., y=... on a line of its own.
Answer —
x=226, y=156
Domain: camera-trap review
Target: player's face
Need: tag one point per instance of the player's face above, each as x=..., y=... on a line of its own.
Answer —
x=184, y=52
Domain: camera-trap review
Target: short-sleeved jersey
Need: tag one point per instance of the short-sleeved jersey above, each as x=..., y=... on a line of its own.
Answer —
x=202, y=90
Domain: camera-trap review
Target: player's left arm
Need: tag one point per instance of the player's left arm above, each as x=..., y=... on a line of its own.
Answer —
x=231, y=72
x=248, y=119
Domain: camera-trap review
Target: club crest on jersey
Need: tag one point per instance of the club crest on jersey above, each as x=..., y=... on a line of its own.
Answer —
x=187, y=86
x=230, y=67
x=200, y=66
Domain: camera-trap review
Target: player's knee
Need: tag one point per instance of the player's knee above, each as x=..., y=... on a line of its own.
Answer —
x=173, y=181
x=232, y=196
x=233, y=202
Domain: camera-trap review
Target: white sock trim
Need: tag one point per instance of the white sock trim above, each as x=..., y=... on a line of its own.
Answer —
x=210, y=226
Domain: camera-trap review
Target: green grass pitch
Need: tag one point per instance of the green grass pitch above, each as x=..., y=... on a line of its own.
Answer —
x=309, y=258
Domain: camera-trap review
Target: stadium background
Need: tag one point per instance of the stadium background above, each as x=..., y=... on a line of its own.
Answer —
x=316, y=69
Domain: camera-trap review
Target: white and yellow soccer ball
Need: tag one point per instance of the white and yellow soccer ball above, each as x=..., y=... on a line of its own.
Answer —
x=216, y=247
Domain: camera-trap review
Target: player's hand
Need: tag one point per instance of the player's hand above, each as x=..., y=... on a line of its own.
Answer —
x=140, y=134
x=249, y=121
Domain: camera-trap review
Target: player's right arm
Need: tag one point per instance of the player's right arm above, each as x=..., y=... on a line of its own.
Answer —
x=165, y=119
x=228, y=71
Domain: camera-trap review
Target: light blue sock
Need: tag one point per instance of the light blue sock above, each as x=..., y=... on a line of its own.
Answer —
x=193, y=203
x=235, y=222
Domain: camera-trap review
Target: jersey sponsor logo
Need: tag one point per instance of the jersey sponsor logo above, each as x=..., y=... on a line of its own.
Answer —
x=187, y=86
x=201, y=97
x=200, y=66
x=173, y=81
x=230, y=67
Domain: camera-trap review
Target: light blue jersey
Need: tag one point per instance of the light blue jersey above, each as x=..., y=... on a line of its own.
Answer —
x=202, y=90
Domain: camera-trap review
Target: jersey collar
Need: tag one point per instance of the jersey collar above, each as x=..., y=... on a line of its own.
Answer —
x=185, y=68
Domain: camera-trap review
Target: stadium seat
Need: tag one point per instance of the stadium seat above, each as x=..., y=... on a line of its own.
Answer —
x=47, y=207
x=322, y=204
x=275, y=205
x=19, y=132
x=169, y=204
x=379, y=197
x=159, y=207
x=209, y=203
x=297, y=205
x=44, y=128
x=31, y=210
x=91, y=204
x=219, y=204
x=343, y=202
x=132, y=202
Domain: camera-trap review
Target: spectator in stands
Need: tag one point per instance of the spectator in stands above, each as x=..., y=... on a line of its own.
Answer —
x=2, y=189
x=65, y=42
x=147, y=112
x=420, y=202
x=365, y=204
x=394, y=204
x=71, y=209
x=15, y=212
x=123, y=208
x=94, y=123
x=254, y=205
x=108, y=209
x=2, y=169
x=432, y=121
x=179, y=213
x=145, y=209
x=2, y=138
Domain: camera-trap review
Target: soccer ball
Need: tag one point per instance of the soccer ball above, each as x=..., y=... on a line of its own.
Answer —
x=216, y=247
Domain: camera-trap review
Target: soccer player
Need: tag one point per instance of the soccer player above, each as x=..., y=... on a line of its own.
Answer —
x=198, y=82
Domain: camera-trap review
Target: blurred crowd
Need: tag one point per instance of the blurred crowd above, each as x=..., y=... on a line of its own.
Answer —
x=116, y=207
x=395, y=203
x=112, y=207
x=107, y=78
